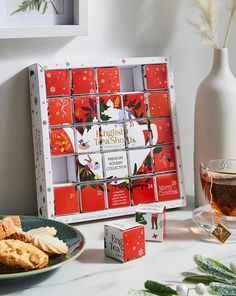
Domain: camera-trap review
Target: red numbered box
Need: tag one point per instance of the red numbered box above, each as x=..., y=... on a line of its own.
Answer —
x=124, y=240
x=143, y=191
x=57, y=83
x=159, y=104
x=92, y=197
x=167, y=187
x=108, y=80
x=66, y=200
x=83, y=81
x=62, y=141
x=134, y=106
x=156, y=76
x=163, y=127
x=118, y=194
x=60, y=111
x=85, y=109
x=111, y=108
x=164, y=158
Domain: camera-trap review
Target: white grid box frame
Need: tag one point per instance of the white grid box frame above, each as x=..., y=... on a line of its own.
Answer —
x=133, y=80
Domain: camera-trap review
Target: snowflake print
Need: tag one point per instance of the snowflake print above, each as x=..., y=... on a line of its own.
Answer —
x=108, y=79
x=57, y=82
x=52, y=89
x=159, y=104
x=156, y=76
x=83, y=81
x=141, y=252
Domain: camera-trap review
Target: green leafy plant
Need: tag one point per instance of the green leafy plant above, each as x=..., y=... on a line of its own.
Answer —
x=134, y=106
x=103, y=109
x=219, y=278
x=35, y=5
x=213, y=270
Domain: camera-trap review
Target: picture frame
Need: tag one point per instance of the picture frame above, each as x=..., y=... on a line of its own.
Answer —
x=58, y=28
x=81, y=173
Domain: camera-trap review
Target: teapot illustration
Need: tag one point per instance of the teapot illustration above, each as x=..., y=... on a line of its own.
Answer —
x=137, y=138
x=136, y=132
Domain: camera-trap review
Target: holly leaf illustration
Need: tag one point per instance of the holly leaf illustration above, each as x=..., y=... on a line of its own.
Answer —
x=105, y=117
x=86, y=109
x=92, y=104
x=80, y=129
x=138, y=106
x=141, y=115
x=136, y=114
x=89, y=119
x=103, y=107
x=140, y=218
x=101, y=187
x=123, y=185
x=148, y=162
x=88, y=127
x=135, y=169
x=94, y=186
x=86, y=174
x=90, y=177
x=157, y=150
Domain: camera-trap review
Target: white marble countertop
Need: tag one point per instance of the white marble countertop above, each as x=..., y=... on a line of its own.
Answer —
x=94, y=274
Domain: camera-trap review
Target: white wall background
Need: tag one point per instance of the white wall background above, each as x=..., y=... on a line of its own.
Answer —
x=117, y=28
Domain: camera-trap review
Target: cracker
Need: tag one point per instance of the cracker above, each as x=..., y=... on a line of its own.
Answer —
x=43, y=230
x=22, y=255
x=50, y=244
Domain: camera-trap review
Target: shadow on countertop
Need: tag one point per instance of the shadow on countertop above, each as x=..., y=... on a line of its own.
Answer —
x=95, y=256
x=8, y=287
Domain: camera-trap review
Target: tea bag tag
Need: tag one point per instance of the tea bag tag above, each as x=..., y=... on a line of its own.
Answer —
x=221, y=233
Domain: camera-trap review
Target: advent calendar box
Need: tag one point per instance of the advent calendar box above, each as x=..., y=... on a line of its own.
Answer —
x=105, y=138
x=153, y=217
x=124, y=240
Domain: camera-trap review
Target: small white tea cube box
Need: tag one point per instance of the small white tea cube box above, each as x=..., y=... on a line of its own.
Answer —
x=153, y=217
x=124, y=240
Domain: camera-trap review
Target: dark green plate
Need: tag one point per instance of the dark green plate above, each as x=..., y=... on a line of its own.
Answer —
x=70, y=235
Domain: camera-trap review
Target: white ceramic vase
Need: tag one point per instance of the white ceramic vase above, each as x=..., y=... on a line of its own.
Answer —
x=215, y=118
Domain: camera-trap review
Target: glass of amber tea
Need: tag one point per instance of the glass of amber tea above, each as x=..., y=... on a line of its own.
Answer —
x=218, y=179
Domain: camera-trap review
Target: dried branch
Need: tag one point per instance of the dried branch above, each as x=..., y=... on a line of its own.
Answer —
x=231, y=21
x=209, y=10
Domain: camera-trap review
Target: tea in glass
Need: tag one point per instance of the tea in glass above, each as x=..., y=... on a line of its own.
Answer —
x=218, y=178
